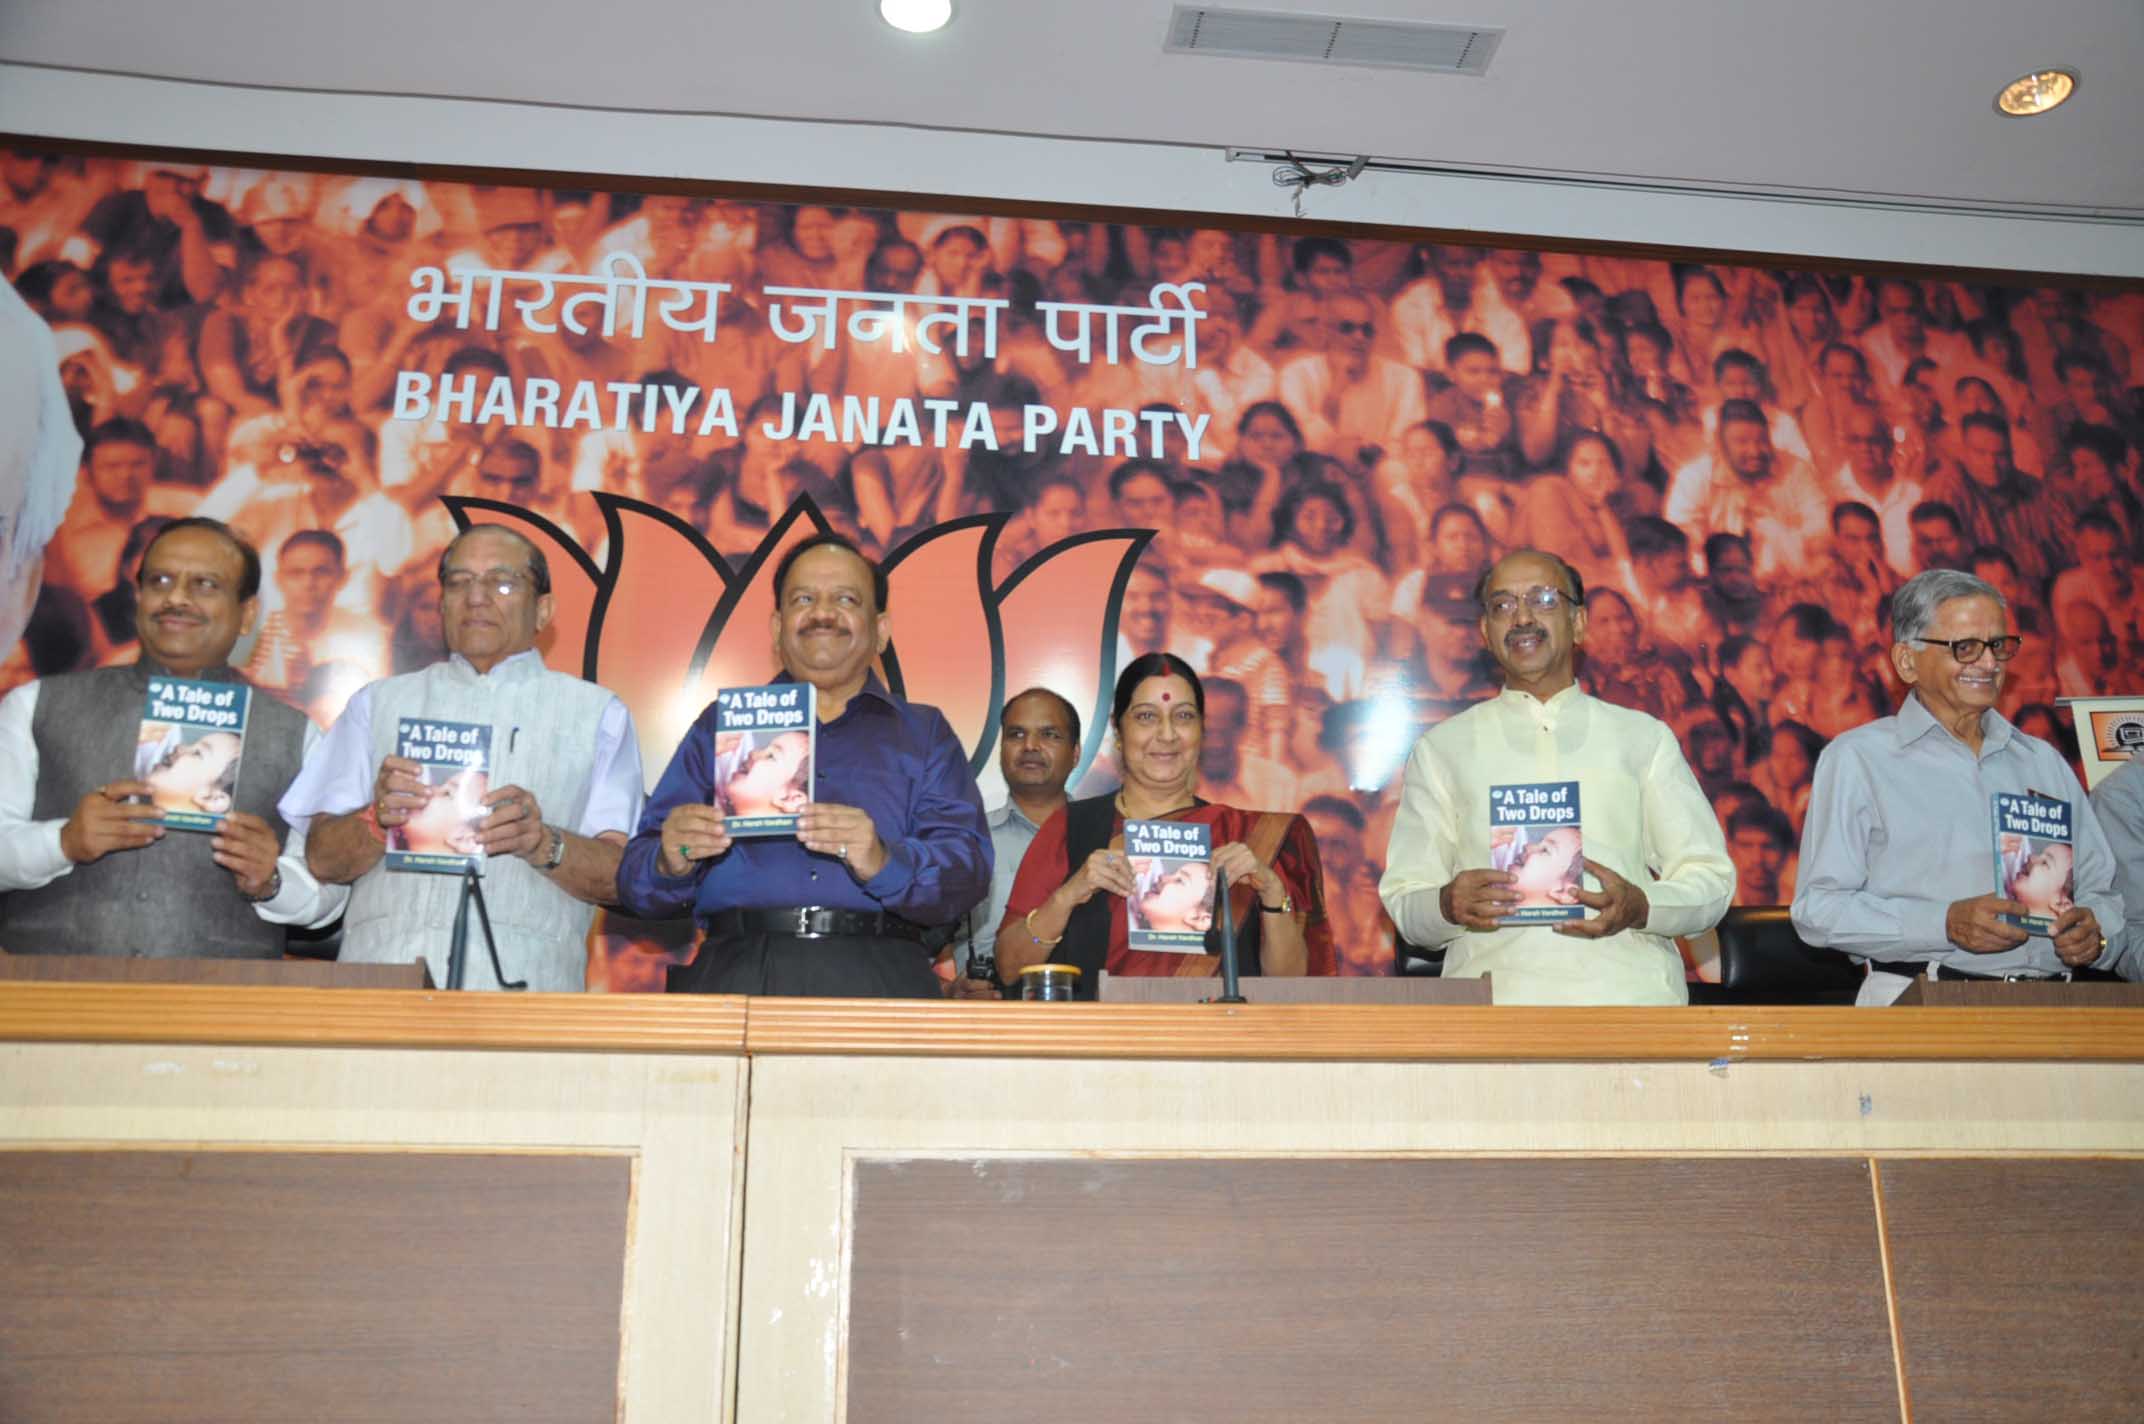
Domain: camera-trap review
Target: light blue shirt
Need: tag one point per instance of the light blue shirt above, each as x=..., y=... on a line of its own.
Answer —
x=1010, y=835
x=1901, y=825
x=2118, y=801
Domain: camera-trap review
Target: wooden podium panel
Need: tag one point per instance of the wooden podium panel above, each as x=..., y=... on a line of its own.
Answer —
x=646, y=1097
x=826, y=1131
x=769, y=1304
x=267, y=1286
x=1491, y=1290
x=288, y=973
x=1924, y=992
x=2018, y=1283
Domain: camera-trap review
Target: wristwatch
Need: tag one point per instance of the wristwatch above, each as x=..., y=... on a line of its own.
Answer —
x=558, y=850
x=275, y=888
x=1285, y=907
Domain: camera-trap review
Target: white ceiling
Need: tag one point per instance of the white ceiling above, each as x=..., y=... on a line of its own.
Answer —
x=1890, y=99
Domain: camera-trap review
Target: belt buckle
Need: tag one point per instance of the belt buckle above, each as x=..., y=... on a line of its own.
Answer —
x=803, y=930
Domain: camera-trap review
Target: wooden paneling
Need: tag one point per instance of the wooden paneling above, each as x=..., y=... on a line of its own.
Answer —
x=679, y=1117
x=129, y=969
x=704, y=1024
x=1275, y=1289
x=1432, y=1033
x=188, y=1013
x=2018, y=1284
x=2022, y=994
x=236, y=1286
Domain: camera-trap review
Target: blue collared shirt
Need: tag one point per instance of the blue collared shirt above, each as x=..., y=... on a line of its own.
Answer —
x=2118, y=801
x=897, y=761
x=1901, y=824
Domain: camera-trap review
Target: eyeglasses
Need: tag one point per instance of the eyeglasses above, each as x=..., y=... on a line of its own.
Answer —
x=203, y=587
x=505, y=583
x=1540, y=600
x=1968, y=650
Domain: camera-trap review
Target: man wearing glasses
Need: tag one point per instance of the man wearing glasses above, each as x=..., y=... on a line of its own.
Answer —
x=1654, y=863
x=85, y=866
x=1349, y=399
x=565, y=784
x=894, y=840
x=1897, y=858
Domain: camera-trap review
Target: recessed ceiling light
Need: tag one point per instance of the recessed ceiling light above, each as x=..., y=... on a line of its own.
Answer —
x=2036, y=93
x=918, y=17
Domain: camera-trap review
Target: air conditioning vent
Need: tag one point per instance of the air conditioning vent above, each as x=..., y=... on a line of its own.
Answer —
x=1329, y=39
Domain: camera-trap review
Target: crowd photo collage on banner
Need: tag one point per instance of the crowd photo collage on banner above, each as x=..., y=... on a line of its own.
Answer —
x=1283, y=456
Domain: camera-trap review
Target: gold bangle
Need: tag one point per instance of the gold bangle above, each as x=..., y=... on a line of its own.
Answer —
x=1036, y=936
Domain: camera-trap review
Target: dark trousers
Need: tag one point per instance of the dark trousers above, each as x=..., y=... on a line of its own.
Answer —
x=832, y=967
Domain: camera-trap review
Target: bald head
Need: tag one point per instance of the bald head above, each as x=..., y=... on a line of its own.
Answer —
x=1563, y=576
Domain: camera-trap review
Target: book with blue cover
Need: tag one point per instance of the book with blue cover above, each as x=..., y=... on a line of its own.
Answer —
x=440, y=837
x=1535, y=834
x=2035, y=858
x=766, y=750
x=193, y=736
x=1172, y=901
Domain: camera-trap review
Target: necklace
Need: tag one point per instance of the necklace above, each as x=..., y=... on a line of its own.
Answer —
x=1118, y=801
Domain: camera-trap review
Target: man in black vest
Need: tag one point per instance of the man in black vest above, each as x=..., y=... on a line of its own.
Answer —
x=85, y=868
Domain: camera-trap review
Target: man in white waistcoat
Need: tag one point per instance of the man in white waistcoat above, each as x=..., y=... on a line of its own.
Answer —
x=564, y=777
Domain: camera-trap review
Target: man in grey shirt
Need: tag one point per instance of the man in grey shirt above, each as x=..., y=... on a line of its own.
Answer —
x=1898, y=849
x=1038, y=745
x=2118, y=801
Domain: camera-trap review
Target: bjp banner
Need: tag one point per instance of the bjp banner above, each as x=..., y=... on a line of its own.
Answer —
x=1283, y=456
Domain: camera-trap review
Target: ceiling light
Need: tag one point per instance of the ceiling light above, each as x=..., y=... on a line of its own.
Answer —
x=918, y=17
x=2036, y=93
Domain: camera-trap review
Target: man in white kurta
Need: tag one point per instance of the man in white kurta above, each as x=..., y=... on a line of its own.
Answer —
x=1655, y=863
x=565, y=778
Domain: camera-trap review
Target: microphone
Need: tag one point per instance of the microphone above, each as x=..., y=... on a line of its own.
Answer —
x=1231, y=990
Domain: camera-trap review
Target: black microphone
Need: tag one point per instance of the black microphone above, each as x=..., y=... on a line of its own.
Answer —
x=1231, y=991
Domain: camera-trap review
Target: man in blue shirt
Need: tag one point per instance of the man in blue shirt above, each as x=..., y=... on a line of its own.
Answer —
x=893, y=841
x=1038, y=745
x=2118, y=801
x=1898, y=847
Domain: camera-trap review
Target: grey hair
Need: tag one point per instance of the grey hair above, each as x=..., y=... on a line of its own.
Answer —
x=1914, y=606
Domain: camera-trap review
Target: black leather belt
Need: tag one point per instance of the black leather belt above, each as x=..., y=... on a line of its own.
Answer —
x=811, y=922
x=1945, y=971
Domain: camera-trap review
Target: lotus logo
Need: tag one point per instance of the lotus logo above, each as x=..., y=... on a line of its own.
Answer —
x=664, y=621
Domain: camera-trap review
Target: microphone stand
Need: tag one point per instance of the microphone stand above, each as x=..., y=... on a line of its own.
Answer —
x=1231, y=991
x=458, y=945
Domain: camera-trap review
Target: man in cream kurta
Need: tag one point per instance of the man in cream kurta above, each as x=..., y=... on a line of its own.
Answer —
x=1642, y=816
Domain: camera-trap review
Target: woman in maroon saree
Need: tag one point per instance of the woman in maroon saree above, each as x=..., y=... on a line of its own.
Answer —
x=1067, y=902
